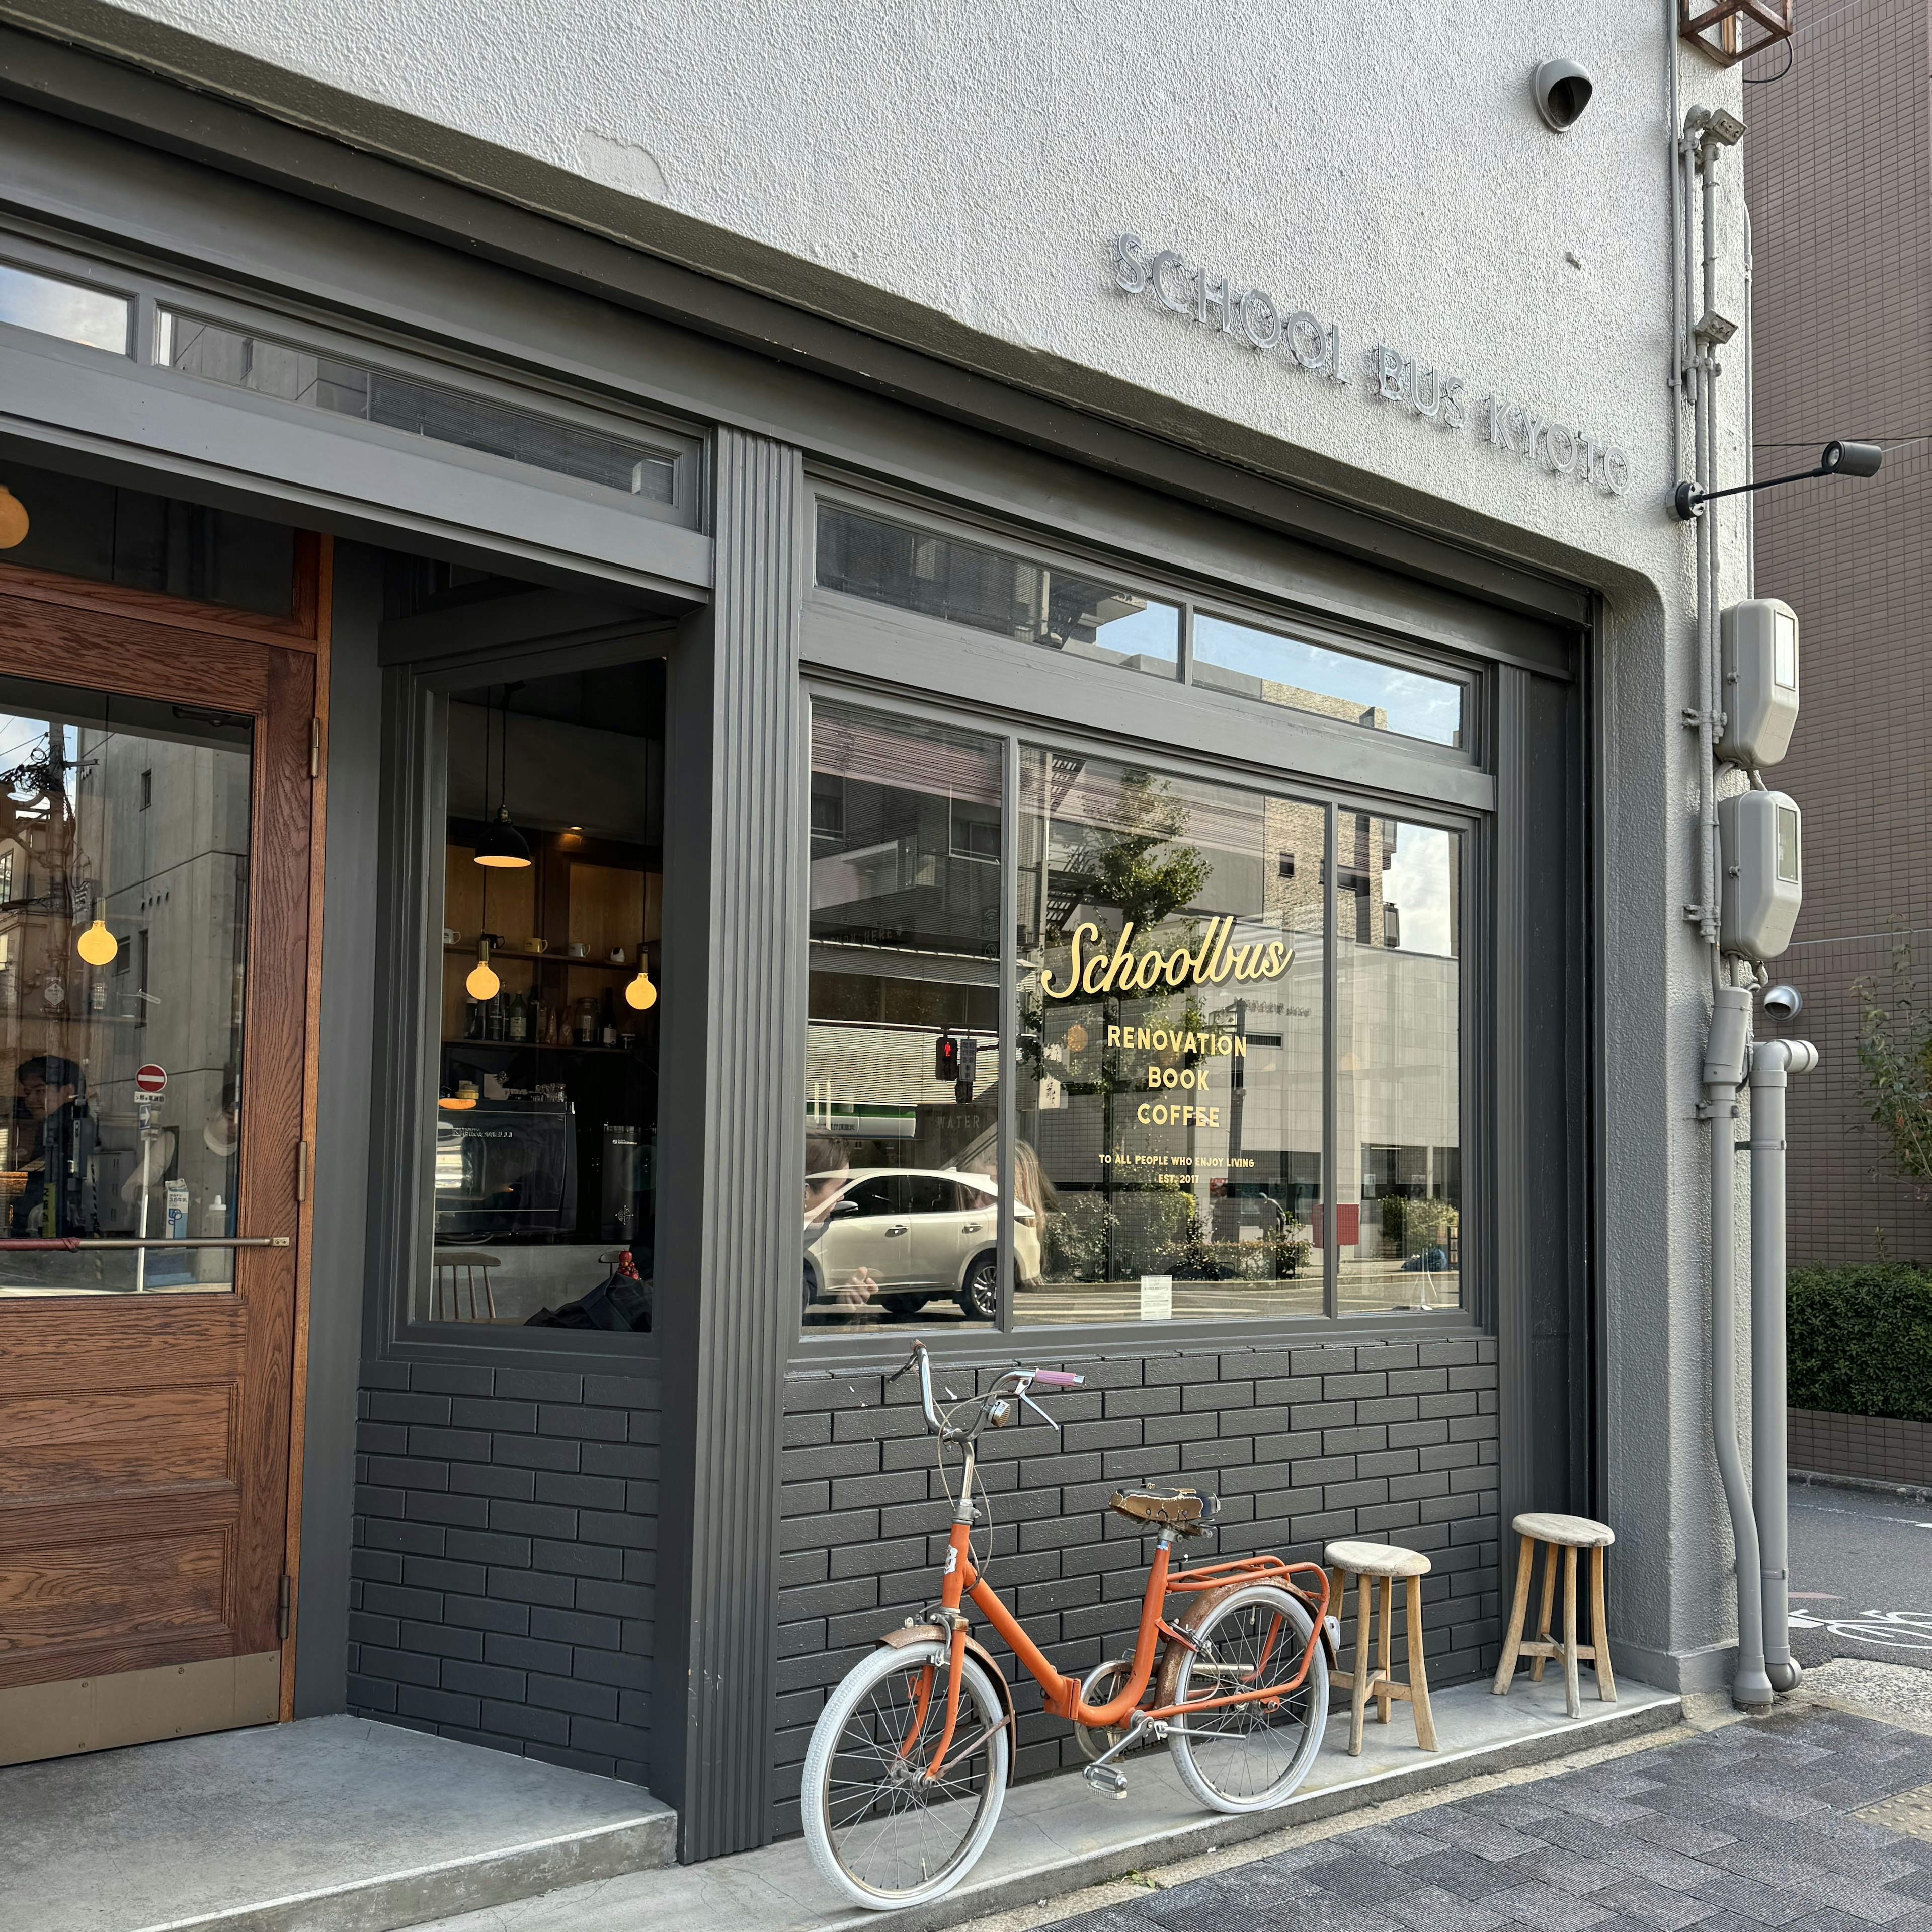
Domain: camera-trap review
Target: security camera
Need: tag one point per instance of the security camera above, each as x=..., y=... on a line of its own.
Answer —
x=1563, y=91
x=1783, y=1003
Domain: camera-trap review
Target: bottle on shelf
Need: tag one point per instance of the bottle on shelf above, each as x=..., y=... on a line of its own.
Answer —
x=586, y=1022
x=519, y=1021
x=606, y=1030
x=472, y=1019
x=496, y=1020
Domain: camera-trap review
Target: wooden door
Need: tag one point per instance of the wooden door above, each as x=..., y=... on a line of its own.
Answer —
x=146, y=1394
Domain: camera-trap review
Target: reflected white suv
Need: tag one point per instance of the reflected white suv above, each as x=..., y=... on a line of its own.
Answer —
x=919, y=1232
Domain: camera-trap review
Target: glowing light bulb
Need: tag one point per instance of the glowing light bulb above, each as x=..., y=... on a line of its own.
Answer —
x=96, y=945
x=482, y=983
x=641, y=993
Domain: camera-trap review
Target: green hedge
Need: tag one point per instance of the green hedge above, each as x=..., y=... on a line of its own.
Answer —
x=1861, y=1340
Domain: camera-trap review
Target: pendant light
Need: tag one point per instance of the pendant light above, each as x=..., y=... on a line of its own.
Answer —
x=482, y=983
x=502, y=844
x=96, y=945
x=641, y=993
x=14, y=521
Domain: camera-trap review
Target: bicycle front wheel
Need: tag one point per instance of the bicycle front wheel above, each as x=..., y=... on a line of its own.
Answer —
x=879, y=1829
x=1248, y=1757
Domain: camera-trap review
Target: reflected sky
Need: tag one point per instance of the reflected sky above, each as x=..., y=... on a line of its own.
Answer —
x=50, y=307
x=1418, y=880
x=1414, y=706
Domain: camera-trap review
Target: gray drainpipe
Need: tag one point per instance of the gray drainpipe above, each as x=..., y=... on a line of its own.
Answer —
x=1770, y=1061
x=1723, y=1074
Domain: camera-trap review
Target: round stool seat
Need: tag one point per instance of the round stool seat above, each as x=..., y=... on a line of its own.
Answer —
x=1576, y=1532
x=1375, y=1559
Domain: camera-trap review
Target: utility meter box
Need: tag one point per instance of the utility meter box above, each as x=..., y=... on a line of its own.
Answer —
x=1760, y=834
x=1759, y=639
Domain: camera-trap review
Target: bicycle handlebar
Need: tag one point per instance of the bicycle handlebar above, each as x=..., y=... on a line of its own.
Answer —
x=1020, y=1380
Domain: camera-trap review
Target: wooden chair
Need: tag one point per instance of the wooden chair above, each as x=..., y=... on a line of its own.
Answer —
x=1569, y=1534
x=1372, y=1564
x=457, y=1272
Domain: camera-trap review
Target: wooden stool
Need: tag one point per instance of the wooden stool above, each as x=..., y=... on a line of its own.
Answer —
x=1372, y=1563
x=1568, y=1533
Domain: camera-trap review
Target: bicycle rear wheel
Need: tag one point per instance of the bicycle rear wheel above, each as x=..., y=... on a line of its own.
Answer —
x=878, y=1829
x=1249, y=1756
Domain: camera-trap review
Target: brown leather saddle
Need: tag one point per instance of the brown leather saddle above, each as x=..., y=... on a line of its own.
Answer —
x=1186, y=1511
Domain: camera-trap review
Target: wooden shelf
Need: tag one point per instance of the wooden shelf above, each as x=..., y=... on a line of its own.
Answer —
x=502, y=953
x=530, y=1046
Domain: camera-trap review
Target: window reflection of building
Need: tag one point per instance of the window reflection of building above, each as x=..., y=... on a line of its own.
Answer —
x=137, y=816
x=903, y=1015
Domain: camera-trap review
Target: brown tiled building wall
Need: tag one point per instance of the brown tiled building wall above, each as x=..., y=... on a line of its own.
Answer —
x=1873, y=1448
x=1838, y=170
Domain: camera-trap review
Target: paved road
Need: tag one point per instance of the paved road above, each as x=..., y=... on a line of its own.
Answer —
x=1861, y=1570
x=1753, y=1825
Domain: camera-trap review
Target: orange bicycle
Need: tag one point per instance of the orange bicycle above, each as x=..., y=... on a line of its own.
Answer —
x=910, y=1757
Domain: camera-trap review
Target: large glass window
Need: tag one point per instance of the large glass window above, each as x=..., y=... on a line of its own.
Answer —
x=903, y=1035
x=544, y=1121
x=1398, y=960
x=1234, y=1041
x=1170, y=1032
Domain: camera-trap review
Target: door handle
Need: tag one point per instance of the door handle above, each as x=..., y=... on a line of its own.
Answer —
x=970, y=1228
x=900, y=1229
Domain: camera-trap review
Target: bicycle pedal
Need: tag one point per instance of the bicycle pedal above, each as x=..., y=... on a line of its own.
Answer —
x=1104, y=1778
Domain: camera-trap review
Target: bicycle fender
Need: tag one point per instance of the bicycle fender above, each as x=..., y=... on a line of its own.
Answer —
x=1194, y=1616
x=932, y=1632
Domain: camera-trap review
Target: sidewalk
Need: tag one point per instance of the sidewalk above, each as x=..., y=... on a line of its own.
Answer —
x=1817, y=1819
x=1059, y=1835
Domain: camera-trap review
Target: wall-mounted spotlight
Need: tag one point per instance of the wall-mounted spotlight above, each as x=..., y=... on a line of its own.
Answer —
x=1840, y=457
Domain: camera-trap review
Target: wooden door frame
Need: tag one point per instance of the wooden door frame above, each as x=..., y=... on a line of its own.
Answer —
x=306, y=630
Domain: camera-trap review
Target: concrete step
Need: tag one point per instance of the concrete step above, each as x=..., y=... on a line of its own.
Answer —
x=330, y=1825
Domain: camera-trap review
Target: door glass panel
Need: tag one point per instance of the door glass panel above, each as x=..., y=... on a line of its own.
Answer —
x=1168, y=1158
x=124, y=907
x=902, y=1058
x=1398, y=946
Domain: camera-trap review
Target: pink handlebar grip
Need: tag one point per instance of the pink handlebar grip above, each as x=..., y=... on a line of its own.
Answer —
x=1056, y=1378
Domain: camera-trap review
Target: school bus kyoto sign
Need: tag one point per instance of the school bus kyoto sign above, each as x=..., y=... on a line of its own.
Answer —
x=1092, y=970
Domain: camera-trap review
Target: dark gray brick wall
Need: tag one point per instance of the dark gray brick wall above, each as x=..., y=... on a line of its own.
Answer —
x=504, y=1573
x=1394, y=1441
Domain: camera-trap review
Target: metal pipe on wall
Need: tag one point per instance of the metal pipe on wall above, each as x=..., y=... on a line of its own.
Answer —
x=1771, y=1061
x=1723, y=1074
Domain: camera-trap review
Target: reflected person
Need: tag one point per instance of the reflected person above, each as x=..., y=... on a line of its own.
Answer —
x=828, y=1168
x=49, y=1128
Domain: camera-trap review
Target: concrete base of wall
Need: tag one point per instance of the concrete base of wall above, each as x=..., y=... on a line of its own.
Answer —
x=1682, y=1671
x=1873, y=1448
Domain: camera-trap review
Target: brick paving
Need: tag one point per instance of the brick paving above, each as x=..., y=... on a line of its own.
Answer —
x=1744, y=1827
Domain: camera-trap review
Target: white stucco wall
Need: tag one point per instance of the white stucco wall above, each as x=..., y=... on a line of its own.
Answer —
x=1380, y=166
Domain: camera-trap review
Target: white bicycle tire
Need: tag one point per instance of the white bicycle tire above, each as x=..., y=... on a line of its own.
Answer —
x=864, y=1676
x=1314, y=1689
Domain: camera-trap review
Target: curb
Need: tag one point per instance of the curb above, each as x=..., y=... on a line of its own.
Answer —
x=1870, y=1486
x=1215, y=1832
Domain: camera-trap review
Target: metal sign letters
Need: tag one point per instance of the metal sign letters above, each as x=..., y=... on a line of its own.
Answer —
x=1307, y=343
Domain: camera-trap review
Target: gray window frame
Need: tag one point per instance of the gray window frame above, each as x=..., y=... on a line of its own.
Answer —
x=1013, y=729
x=416, y=696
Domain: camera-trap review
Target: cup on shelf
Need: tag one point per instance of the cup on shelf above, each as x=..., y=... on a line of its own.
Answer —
x=617, y=955
x=537, y=945
x=451, y=937
x=578, y=950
